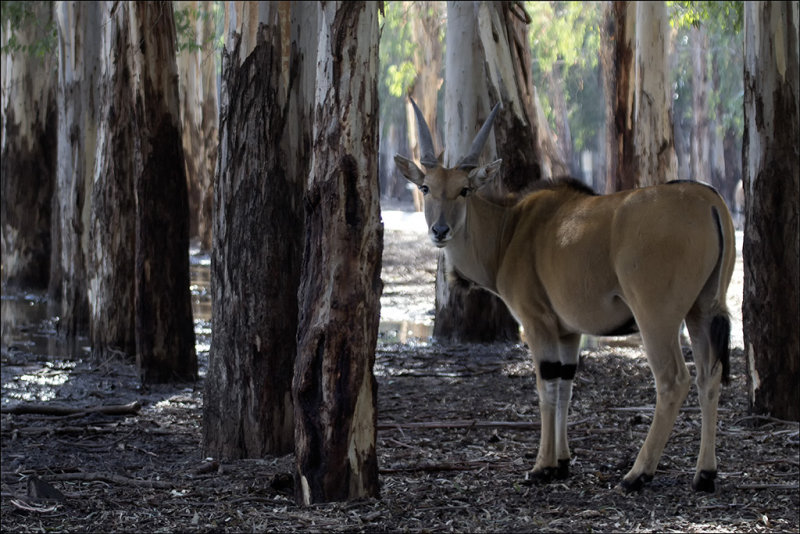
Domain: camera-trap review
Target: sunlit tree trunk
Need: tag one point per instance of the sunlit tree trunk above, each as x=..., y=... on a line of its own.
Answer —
x=257, y=241
x=652, y=113
x=28, y=154
x=772, y=207
x=198, y=93
x=334, y=386
x=425, y=20
x=701, y=85
x=640, y=141
x=79, y=51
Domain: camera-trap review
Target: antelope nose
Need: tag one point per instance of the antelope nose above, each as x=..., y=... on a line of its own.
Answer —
x=440, y=231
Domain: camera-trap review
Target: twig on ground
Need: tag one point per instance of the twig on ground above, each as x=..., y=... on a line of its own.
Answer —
x=61, y=410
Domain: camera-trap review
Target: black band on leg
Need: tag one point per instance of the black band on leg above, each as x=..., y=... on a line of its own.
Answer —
x=568, y=371
x=550, y=370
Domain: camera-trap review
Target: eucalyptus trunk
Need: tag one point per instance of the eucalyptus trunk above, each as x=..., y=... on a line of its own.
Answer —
x=334, y=387
x=771, y=169
x=79, y=89
x=257, y=238
x=28, y=154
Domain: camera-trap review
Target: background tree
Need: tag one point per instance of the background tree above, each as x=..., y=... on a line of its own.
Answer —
x=487, y=60
x=197, y=77
x=639, y=137
x=257, y=239
x=771, y=248
x=79, y=52
x=28, y=143
x=334, y=387
x=707, y=103
x=138, y=268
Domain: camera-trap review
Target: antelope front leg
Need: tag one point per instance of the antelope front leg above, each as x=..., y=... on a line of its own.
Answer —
x=547, y=379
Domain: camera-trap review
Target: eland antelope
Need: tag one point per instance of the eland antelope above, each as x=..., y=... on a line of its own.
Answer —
x=568, y=262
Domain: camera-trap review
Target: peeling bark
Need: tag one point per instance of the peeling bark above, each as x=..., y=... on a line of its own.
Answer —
x=138, y=266
x=334, y=387
x=28, y=158
x=771, y=171
x=164, y=327
x=257, y=239
x=80, y=48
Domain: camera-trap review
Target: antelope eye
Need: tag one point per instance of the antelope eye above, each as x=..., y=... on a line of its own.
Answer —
x=465, y=191
x=424, y=189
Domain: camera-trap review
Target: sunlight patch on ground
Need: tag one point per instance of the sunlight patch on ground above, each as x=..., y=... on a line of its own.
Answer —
x=404, y=221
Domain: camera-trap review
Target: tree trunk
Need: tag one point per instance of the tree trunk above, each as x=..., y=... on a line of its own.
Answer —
x=164, y=326
x=80, y=46
x=198, y=92
x=490, y=35
x=617, y=69
x=701, y=85
x=652, y=116
x=138, y=266
x=257, y=239
x=425, y=17
x=640, y=145
x=28, y=155
x=334, y=387
x=112, y=231
x=771, y=171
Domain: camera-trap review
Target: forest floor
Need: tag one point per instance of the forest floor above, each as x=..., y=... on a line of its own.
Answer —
x=458, y=431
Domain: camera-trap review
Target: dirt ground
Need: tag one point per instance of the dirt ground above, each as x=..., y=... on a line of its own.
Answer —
x=458, y=430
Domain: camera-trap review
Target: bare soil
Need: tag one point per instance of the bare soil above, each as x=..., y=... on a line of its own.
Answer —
x=458, y=430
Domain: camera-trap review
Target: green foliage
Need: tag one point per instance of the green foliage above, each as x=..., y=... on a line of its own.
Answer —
x=186, y=20
x=16, y=16
x=722, y=23
x=725, y=16
x=565, y=42
x=396, y=50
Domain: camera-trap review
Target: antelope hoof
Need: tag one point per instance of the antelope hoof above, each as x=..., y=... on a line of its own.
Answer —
x=562, y=471
x=543, y=475
x=704, y=481
x=629, y=486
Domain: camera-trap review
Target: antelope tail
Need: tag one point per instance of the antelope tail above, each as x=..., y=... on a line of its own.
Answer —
x=720, y=327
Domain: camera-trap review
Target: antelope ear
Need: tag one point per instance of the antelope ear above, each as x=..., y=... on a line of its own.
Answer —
x=480, y=176
x=409, y=170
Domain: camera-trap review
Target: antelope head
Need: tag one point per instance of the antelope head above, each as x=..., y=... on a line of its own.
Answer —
x=446, y=190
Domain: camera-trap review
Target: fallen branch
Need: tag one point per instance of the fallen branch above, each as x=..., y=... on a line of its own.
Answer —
x=61, y=410
x=461, y=423
x=445, y=466
x=113, y=479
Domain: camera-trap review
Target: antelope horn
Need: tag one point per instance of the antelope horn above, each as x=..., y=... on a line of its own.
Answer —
x=427, y=153
x=470, y=161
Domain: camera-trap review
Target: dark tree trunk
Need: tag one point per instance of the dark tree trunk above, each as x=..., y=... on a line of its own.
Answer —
x=617, y=62
x=256, y=252
x=334, y=386
x=164, y=327
x=771, y=171
x=28, y=158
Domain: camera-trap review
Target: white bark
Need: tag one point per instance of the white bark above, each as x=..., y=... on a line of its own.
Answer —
x=80, y=42
x=653, y=135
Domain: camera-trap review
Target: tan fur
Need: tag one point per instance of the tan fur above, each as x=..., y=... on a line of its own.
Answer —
x=567, y=263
